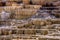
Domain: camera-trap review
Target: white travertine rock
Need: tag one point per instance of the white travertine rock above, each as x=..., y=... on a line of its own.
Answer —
x=4, y=15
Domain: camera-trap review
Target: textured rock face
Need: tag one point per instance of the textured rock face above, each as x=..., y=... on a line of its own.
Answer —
x=27, y=21
x=11, y=3
x=44, y=15
x=24, y=14
x=57, y=3
x=38, y=2
x=26, y=1
x=4, y=15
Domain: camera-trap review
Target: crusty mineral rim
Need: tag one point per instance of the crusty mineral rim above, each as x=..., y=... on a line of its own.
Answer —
x=32, y=36
x=34, y=1
x=21, y=7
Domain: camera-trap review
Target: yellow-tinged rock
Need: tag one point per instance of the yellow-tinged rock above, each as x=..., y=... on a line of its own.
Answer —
x=26, y=1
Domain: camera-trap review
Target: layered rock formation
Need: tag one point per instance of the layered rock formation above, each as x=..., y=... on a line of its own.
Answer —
x=38, y=20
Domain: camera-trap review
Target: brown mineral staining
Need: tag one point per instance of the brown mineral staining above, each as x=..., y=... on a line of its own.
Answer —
x=29, y=20
x=26, y=1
